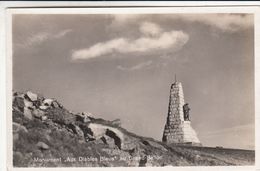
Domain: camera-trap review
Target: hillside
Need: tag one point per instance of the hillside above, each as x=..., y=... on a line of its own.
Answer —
x=46, y=134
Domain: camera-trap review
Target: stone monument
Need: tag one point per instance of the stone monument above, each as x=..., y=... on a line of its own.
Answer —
x=178, y=128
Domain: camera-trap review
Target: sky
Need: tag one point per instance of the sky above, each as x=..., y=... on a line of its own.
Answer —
x=122, y=66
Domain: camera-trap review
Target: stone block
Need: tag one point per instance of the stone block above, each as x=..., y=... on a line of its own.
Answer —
x=31, y=96
x=27, y=113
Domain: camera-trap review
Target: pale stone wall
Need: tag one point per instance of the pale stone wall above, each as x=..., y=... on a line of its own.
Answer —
x=176, y=129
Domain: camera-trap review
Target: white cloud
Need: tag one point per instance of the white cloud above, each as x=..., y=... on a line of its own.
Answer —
x=135, y=67
x=119, y=19
x=222, y=21
x=38, y=38
x=173, y=39
x=62, y=33
x=150, y=29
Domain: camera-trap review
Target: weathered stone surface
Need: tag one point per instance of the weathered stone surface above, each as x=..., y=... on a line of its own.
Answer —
x=27, y=113
x=109, y=141
x=43, y=107
x=55, y=104
x=87, y=114
x=84, y=117
x=31, y=96
x=28, y=104
x=37, y=113
x=47, y=102
x=77, y=130
x=116, y=122
x=99, y=131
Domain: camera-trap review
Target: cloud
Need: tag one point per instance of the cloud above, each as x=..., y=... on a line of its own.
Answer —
x=62, y=33
x=119, y=19
x=223, y=22
x=150, y=29
x=226, y=22
x=135, y=67
x=38, y=38
x=152, y=39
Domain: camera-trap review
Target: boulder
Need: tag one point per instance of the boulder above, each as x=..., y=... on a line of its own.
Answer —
x=77, y=130
x=83, y=118
x=98, y=131
x=55, y=104
x=42, y=146
x=31, y=96
x=28, y=104
x=87, y=114
x=116, y=122
x=109, y=141
x=37, y=113
x=43, y=107
x=47, y=102
x=27, y=113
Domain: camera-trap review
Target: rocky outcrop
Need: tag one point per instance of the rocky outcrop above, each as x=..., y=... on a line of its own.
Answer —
x=45, y=134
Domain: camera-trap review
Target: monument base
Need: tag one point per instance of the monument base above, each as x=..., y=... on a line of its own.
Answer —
x=180, y=133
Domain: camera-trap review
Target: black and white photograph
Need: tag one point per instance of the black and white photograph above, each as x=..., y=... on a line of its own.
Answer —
x=130, y=89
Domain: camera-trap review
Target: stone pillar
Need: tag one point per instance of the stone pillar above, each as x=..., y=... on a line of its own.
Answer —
x=177, y=130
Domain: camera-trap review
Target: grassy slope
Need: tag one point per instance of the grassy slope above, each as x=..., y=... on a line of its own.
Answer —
x=64, y=143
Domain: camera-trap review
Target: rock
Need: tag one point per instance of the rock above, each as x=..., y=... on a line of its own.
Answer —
x=19, y=103
x=27, y=113
x=77, y=130
x=109, y=141
x=43, y=107
x=98, y=131
x=44, y=118
x=31, y=96
x=83, y=118
x=37, y=113
x=18, y=127
x=42, y=146
x=47, y=102
x=87, y=114
x=116, y=122
x=28, y=104
x=55, y=104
